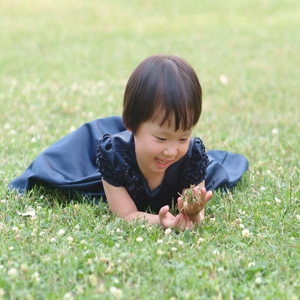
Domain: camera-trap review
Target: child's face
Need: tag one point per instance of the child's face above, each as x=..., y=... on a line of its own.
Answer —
x=157, y=147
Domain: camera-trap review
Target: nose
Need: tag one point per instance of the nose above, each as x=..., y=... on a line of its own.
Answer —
x=170, y=152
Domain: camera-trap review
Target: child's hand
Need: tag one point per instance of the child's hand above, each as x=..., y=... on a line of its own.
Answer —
x=167, y=220
x=193, y=201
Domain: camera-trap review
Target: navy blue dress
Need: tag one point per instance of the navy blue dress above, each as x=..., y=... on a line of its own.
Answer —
x=105, y=148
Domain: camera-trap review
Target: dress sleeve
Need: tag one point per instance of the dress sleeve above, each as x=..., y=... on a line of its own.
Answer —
x=196, y=170
x=108, y=164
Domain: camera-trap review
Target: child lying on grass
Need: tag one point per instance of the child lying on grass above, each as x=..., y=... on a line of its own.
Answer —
x=147, y=158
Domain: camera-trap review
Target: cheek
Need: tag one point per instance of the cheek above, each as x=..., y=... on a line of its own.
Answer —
x=152, y=149
x=146, y=148
x=184, y=149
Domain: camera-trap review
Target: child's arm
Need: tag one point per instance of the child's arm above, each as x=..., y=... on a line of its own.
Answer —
x=121, y=203
x=195, y=211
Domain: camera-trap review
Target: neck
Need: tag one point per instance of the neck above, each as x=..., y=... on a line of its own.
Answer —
x=154, y=179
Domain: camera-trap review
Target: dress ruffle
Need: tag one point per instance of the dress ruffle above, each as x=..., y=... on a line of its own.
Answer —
x=108, y=167
x=196, y=170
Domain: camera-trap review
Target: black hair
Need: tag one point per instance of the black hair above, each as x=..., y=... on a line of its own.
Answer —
x=164, y=87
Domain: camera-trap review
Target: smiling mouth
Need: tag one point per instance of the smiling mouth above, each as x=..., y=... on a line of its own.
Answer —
x=162, y=161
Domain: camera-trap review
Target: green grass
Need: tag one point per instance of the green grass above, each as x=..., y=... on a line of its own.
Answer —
x=61, y=62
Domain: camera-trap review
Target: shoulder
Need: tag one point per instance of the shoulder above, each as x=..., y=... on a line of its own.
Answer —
x=198, y=149
x=110, y=158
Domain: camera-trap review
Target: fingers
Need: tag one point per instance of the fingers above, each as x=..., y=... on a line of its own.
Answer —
x=162, y=214
x=180, y=205
x=205, y=196
x=189, y=209
x=163, y=211
x=182, y=222
x=196, y=191
x=208, y=195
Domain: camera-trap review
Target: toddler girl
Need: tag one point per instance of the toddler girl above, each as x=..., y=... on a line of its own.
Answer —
x=147, y=158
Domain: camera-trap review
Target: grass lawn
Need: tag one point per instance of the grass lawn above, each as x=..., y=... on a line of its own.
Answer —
x=64, y=63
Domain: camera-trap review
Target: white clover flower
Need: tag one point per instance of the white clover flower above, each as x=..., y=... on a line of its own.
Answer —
x=159, y=241
x=180, y=243
x=68, y=296
x=143, y=226
x=61, y=232
x=101, y=288
x=298, y=217
x=118, y=230
x=115, y=292
x=35, y=276
x=46, y=259
x=200, y=240
x=2, y=293
x=292, y=238
x=3, y=201
x=238, y=221
x=42, y=233
x=79, y=289
x=33, y=140
x=77, y=227
x=263, y=188
x=89, y=262
x=224, y=80
x=241, y=212
x=251, y=264
x=168, y=231
x=277, y=200
x=13, y=272
x=274, y=131
x=242, y=226
x=93, y=280
x=70, y=239
x=15, y=228
x=139, y=239
x=11, y=248
x=216, y=252
x=246, y=233
x=52, y=240
x=258, y=280
x=160, y=252
x=117, y=245
x=24, y=268
x=174, y=249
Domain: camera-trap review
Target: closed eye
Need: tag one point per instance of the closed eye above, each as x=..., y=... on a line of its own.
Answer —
x=160, y=139
x=183, y=140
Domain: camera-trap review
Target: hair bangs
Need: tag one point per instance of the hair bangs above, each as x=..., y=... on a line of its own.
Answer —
x=174, y=99
x=165, y=89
